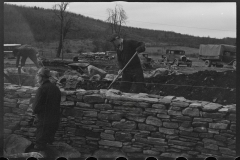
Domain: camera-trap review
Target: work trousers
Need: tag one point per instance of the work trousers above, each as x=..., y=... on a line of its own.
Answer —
x=45, y=134
x=33, y=57
x=133, y=81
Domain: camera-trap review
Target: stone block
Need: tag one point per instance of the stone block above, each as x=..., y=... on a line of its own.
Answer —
x=67, y=103
x=200, y=129
x=200, y=124
x=195, y=119
x=193, y=112
x=24, y=101
x=170, y=125
x=206, y=135
x=159, y=106
x=157, y=135
x=84, y=105
x=153, y=121
x=110, y=143
x=232, y=117
x=211, y=107
x=190, y=134
x=213, y=115
x=143, y=104
x=163, y=116
x=166, y=130
x=150, y=152
x=186, y=124
x=90, y=113
x=188, y=129
x=104, y=124
x=183, y=118
x=115, y=117
x=211, y=146
x=151, y=141
x=220, y=138
x=175, y=108
x=23, y=107
x=165, y=101
x=125, y=125
x=153, y=110
x=227, y=151
x=135, y=117
x=180, y=104
x=107, y=136
x=212, y=141
x=123, y=136
x=174, y=113
x=103, y=106
x=195, y=105
x=218, y=125
x=131, y=149
x=146, y=127
x=94, y=98
x=181, y=143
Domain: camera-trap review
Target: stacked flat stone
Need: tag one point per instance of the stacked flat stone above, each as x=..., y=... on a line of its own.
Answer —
x=143, y=125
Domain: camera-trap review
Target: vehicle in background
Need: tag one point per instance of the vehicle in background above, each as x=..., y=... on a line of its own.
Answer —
x=8, y=50
x=218, y=55
x=176, y=57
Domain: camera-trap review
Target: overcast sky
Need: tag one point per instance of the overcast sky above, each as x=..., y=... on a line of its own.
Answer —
x=213, y=19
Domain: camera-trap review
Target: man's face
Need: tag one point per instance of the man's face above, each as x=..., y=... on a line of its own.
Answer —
x=116, y=42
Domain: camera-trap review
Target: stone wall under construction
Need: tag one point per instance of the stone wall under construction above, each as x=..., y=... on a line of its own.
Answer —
x=138, y=125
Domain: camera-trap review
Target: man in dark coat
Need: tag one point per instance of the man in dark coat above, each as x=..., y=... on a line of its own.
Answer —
x=133, y=72
x=46, y=107
x=26, y=51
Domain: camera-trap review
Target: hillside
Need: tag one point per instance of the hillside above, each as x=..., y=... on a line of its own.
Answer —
x=34, y=25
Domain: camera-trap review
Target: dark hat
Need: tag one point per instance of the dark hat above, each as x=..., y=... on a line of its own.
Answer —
x=44, y=72
x=113, y=37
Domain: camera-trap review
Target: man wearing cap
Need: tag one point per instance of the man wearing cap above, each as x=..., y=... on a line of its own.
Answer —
x=25, y=51
x=133, y=72
x=46, y=107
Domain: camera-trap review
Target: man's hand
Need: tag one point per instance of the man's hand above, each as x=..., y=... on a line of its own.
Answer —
x=119, y=71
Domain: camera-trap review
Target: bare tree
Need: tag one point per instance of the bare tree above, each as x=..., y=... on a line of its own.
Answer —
x=116, y=17
x=66, y=24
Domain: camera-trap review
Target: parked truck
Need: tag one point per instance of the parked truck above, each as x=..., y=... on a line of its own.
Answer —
x=218, y=55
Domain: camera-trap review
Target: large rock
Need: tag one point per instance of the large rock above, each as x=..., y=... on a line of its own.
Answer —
x=211, y=107
x=15, y=144
x=61, y=149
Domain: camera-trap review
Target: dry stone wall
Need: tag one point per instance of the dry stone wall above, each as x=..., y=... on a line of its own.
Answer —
x=138, y=125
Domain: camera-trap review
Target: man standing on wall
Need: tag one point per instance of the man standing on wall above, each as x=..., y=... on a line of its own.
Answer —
x=133, y=72
x=46, y=107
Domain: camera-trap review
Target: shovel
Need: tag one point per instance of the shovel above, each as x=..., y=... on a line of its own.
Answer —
x=122, y=70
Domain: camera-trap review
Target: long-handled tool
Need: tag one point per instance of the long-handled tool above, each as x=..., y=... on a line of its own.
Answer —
x=19, y=76
x=122, y=70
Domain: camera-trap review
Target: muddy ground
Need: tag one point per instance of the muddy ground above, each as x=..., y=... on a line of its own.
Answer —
x=218, y=87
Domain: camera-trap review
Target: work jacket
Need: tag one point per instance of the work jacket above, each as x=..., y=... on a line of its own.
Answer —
x=129, y=47
x=47, y=103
